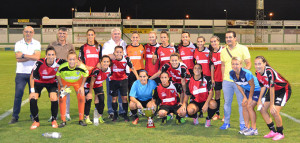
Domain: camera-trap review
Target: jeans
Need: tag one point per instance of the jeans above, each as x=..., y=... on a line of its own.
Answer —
x=20, y=82
x=109, y=100
x=229, y=88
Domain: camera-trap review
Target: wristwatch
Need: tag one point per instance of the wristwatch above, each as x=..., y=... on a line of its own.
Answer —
x=22, y=56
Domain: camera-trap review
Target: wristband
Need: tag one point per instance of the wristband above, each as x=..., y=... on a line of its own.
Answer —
x=23, y=56
x=32, y=90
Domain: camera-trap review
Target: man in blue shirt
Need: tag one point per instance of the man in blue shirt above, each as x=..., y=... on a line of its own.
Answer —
x=141, y=95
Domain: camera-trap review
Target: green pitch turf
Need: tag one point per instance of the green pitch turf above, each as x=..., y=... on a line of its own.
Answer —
x=285, y=62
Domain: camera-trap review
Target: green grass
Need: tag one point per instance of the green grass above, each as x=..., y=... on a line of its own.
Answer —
x=285, y=62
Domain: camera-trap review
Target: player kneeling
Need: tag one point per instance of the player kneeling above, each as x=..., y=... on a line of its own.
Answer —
x=201, y=94
x=43, y=75
x=141, y=95
x=168, y=95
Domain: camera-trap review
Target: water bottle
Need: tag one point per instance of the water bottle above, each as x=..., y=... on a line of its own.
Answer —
x=96, y=116
x=55, y=135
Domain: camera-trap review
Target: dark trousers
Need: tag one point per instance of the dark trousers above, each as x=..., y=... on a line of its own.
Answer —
x=21, y=80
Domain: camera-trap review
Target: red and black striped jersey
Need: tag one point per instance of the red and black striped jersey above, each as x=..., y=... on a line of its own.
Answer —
x=163, y=54
x=198, y=89
x=216, y=60
x=89, y=55
x=120, y=69
x=202, y=57
x=100, y=77
x=168, y=95
x=270, y=78
x=176, y=73
x=187, y=54
x=43, y=73
x=149, y=67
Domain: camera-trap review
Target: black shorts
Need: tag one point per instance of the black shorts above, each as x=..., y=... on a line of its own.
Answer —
x=281, y=96
x=51, y=87
x=97, y=90
x=199, y=105
x=144, y=103
x=218, y=86
x=170, y=109
x=116, y=85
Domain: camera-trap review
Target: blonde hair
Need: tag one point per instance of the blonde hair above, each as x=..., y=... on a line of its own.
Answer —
x=236, y=59
x=115, y=29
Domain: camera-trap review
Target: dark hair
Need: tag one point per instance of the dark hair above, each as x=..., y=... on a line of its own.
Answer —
x=164, y=32
x=183, y=32
x=210, y=48
x=233, y=33
x=202, y=77
x=267, y=64
x=50, y=48
x=175, y=55
x=63, y=29
x=106, y=56
x=95, y=41
x=118, y=47
x=202, y=38
x=142, y=70
x=72, y=52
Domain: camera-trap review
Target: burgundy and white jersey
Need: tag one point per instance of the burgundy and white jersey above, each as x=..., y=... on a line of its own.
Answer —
x=120, y=68
x=163, y=54
x=168, y=95
x=100, y=77
x=149, y=67
x=271, y=78
x=187, y=54
x=216, y=60
x=176, y=73
x=202, y=57
x=198, y=89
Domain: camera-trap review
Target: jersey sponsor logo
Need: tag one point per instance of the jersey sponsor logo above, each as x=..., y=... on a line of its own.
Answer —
x=49, y=77
x=214, y=59
x=72, y=77
x=92, y=56
x=163, y=94
x=169, y=99
x=98, y=82
x=44, y=72
x=200, y=90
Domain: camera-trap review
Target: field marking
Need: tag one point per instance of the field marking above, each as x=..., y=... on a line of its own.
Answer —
x=290, y=117
x=11, y=110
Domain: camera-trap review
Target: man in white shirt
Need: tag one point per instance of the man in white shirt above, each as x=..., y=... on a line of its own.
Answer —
x=27, y=52
x=108, y=49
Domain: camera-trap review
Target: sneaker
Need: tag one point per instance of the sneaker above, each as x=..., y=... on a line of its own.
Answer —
x=13, y=120
x=169, y=117
x=223, y=119
x=242, y=126
x=216, y=117
x=278, y=137
x=34, y=125
x=82, y=123
x=129, y=114
x=196, y=122
x=68, y=117
x=88, y=121
x=251, y=132
x=54, y=124
x=50, y=119
x=182, y=120
x=243, y=131
x=225, y=126
x=110, y=115
x=135, y=122
x=163, y=121
x=207, y=123
x=271, y=134
x=101, y=119
x=140, y=112
x=62, y=124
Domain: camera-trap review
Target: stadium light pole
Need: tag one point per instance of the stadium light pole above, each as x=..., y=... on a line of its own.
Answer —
x=187, y=16
x=128, y=18
x=73, y=12
x=225, y=13
x=271, y=14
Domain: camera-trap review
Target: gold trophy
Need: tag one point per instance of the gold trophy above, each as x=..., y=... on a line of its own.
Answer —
x=149, y=112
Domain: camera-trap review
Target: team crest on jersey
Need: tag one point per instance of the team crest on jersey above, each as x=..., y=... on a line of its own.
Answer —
x=77, y=73
x=171, y=51
x=45, y=72
x=141, y=51
x=124, y=64
x=214, y=59
x=148, y=50
x=195, y=88
x=163, y=94
x=203, y=84
x=114, y=66
x=88, y=51
x=162, y=54
x=55, y=69
x=206, y=55
x=182, y=53
x=172, y=91
x=192, y=50
x=243, y=79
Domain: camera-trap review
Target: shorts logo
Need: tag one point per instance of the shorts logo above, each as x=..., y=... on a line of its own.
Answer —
x=243, y=79
x=278, y=102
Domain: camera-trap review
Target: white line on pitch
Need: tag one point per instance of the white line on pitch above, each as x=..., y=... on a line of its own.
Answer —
x=11, y=110
x=290, y=117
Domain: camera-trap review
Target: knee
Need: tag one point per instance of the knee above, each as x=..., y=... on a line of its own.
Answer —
x=181, y=113
x=53, y=97
x=132, y=105
x=191, y=111
x=212, y=104
x=33, y=96
x=162, y=113
x=250, y=106
x=124, y=99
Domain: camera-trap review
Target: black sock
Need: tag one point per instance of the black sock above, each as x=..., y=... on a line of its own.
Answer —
x=178, y=117
x=101, y=103
x=87, y=107
x=114, y=106
x=54, y=109
x=194, y=115
x=280, y=130
x=163, y=119
x=134, y=113
x=211, y=113
x=218, y=106
x=34, y=109
x=125, y=107
x=271, y=127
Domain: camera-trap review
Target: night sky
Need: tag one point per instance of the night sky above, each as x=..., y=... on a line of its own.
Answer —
x=151, y=9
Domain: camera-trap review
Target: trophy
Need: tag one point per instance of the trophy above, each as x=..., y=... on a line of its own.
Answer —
x=149, y=114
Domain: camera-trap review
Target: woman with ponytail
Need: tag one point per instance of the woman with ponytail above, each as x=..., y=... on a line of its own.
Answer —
x=275, y=92
x=89, y=54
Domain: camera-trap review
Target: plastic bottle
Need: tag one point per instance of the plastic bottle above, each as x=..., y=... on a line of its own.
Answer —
x=96, y=116
x=55, y=135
